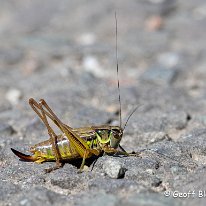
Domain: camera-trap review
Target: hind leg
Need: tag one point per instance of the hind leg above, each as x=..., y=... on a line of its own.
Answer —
x=75, y=140
x=37, y=107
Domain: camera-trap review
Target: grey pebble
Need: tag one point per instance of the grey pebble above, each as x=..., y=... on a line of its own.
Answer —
x=114, y=168
x=159, y=75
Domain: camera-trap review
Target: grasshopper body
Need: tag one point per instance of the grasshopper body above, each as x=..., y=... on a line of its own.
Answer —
x=74, y=143
x=100, y=138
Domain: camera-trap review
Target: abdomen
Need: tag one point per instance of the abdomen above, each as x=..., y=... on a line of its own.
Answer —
x=44, y=149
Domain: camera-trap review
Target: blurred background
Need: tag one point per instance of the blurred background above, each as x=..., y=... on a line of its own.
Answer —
x=64, y=52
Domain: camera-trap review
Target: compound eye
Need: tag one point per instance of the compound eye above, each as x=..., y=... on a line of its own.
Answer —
x=99, y=132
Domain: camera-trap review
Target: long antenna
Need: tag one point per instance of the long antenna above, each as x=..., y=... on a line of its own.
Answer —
x=130, y=116
x=120, y=106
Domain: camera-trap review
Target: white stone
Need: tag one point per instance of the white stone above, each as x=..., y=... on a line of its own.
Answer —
x=87, y=39
x=113, y=168
x=13, y=96
x=91, y=64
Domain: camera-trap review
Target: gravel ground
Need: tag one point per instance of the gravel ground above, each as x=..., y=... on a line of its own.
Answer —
x=64, y=51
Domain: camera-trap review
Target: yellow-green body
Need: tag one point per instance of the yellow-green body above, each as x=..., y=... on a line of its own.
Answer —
x=96, y=137
x=71, y=143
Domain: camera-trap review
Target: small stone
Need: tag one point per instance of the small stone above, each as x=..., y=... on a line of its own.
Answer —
x=154, y=23
x=87, y=39
x=24, y=202
x=91, y=64
x=150, y=171
x=13, y=96
x=169, y=59
x=113, y=168
x=159, y=75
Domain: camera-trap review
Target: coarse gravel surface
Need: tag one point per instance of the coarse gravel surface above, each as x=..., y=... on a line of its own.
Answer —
x=64, y=52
